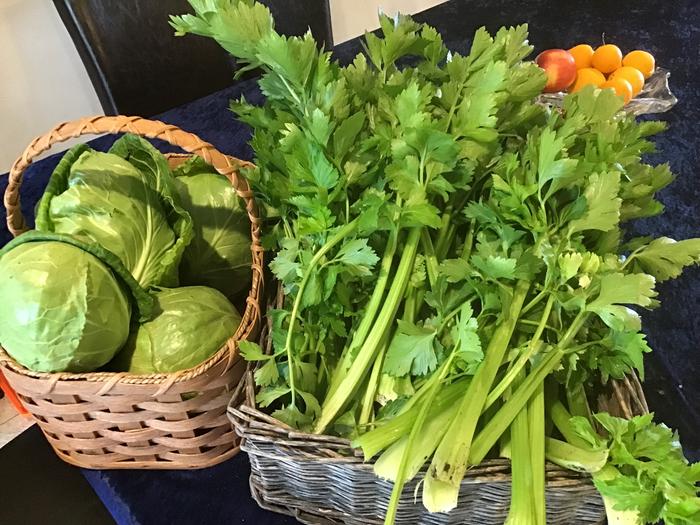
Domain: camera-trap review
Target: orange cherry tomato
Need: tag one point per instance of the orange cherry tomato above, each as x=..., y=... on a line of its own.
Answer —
x=607, y=58
x=621, y=87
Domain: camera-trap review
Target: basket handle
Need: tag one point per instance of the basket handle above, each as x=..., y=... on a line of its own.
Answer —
x=155, y=129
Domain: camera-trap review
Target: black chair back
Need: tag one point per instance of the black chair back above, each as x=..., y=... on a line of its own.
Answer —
x=138, y=67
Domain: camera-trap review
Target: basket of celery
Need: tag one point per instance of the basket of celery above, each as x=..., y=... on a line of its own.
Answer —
x=323, y=479
x=455, y=285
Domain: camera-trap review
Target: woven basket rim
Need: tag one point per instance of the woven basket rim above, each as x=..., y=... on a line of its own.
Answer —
x=194, y=146
x=120, y=377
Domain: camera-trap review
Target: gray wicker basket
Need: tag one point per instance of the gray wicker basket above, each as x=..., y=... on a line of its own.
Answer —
x=322, y=480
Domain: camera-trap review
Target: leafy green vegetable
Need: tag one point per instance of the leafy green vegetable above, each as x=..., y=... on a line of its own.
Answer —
x=191, y=323
x=665, y=258
x=422, y=202
x=219, y=255
x=650, y=475
x=411, y=350
x=123, y=200
x=64, y=306
x=646, y=478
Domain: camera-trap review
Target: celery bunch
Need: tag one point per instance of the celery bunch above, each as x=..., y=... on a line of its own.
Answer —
x=449, y=249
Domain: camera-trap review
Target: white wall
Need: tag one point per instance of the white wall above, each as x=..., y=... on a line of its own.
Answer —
x=43, y=81
x=351, y=18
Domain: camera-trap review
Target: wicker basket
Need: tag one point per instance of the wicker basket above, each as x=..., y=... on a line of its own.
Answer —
x=322, y=480
x=108, y=420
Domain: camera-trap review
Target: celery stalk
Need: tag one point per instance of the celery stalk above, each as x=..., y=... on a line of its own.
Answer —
x=368, y=397
x=510, y=374
x=450, y=461
x=489, y=435
x=576, y=399
x=431, y=261
x=535, y=412
x=491, y=432
x=408, y=455
x=561, y=416
x=386, y=434
x=365, y=325
x=575, y=458
x=338, y=237
x=533, y=348
x=522, y=505
x=335, y=402
x=387, y=465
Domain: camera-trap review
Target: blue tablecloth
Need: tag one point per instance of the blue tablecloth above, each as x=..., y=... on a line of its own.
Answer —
x=668, y=29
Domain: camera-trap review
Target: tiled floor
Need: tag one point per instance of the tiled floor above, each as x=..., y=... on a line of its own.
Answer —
x=11, y=423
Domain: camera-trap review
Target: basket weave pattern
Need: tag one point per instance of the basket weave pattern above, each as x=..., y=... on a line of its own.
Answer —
x=110, y=420
x=322, y=480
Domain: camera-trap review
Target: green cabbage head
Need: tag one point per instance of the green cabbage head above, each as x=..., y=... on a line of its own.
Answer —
x=219, y=255
x=62, y=308
x=191, y=323
x=124, y=200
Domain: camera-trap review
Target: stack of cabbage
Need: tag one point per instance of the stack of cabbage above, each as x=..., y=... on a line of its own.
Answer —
x=99, y=280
